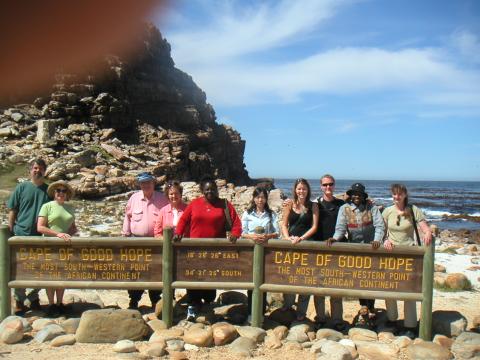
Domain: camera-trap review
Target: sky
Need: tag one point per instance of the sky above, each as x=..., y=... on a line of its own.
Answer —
x=366, y=89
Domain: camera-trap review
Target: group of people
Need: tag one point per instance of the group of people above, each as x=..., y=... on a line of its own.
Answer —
x=35, y=209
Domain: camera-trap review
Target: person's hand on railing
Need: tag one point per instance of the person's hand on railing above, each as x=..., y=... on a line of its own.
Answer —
x=295, y=239
x=64, y=236
x=232, y=238
x=375, y=245
x=330, y=241
x=388, y=245
x=177, y=238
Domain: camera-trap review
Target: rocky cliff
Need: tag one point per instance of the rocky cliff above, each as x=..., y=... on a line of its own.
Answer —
x=99, y=129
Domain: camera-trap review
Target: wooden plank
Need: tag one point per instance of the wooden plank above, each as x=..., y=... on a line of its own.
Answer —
x=364, y=294
x=319, y=267
x=119, y=285
x=213, y=263
x=168, y=292
x=94, y=241
x=114, y=262
x=258, y=273
x=212, y=285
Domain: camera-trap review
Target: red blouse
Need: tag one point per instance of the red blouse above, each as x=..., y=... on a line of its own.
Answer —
x=207, y=220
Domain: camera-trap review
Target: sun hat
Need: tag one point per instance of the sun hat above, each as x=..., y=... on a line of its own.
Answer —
x=144, y=177
x=60, y=183
x=357, y=188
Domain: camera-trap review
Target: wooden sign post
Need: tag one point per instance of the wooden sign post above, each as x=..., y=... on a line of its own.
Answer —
x=310, y=267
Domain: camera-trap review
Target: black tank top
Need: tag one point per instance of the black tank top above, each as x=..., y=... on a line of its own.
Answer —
x=298, y=226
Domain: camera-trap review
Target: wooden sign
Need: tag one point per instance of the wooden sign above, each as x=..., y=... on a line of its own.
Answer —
x=213, y=264
x=54, y=262
x=357, y=271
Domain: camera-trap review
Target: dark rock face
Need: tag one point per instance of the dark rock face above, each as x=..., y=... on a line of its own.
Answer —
x=150, y=115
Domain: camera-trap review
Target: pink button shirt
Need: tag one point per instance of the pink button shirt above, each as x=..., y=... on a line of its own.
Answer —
x=141, y=214
x=166, y=218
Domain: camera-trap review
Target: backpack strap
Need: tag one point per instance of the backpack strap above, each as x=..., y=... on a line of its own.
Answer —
x=228, y=219
x=419, y=243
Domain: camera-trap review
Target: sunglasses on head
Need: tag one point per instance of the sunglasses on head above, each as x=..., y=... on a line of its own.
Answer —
x=328, y=184
x=61, y=191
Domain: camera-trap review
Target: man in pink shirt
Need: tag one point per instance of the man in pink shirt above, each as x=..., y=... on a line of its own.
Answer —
x=142, y=210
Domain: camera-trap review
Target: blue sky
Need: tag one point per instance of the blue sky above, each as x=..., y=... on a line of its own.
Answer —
x=360, y=89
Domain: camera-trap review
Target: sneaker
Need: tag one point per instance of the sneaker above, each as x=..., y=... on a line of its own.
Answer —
x=191, y=313
x=20, y=308
x=35, y=305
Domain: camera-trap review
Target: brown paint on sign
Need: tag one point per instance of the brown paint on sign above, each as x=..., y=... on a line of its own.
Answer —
x=359, y=271
x=213, y=264
x=86, y=263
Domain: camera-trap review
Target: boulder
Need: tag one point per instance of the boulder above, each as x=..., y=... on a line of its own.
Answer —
x=329, y=334
x=156, y=325
x=457, y=281
x=39, y=324
x=402, y=341
x=272, y=342
x=280, y=332
x=334, y=351
x=427, y=351
x=124, y=346
x=254, y=333
x=166, y=334
x=448, y=323
x=224, y=333
x=11, y=331
x=443, y=340
x=242, y=346
x=362, y=334
x=110, y=325
x=439, y=268
x=70, y=325
x=377, y=351
x=49, y=332
x=199, y=337
x=467, y=346
x=63, y=340
x=154, y=350
x=175, y=345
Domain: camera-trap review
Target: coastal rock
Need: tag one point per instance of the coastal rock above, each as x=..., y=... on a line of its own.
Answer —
x=63, y=340
x=362, y=334
x=109, y=326
x=12, y=323
x=11, y=331
x=292, y=346
x=329, y=334
x=377, y=351
x=224, y=333
x=467, y=346
x=448, y=323
x=280, y=332
x=70, y=325
x=154, y=350
x=254, y=333
x=49, y=332
x=272, y=342
x=124, y=346
x=199, y=337
x=333, y=350
x=439, y=268
x=39, y=324
x=175, y=345
x=443, y=340
x=157, y=324
x=457, y=281
x=242, y=346
x=427, y=350
x=298, y=333
x=402, y=341
x=166, y=334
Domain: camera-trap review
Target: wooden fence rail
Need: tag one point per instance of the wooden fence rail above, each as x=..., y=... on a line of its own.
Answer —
x=310, y=267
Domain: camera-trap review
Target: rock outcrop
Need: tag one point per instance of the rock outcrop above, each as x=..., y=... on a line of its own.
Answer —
x=98, y=131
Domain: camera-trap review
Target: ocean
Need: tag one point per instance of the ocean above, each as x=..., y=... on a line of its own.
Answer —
x=447, y=204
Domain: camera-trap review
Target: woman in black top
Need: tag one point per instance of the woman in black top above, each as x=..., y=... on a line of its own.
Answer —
x=299, y=222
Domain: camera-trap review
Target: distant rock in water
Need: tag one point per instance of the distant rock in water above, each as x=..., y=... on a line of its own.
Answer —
x=140, y=114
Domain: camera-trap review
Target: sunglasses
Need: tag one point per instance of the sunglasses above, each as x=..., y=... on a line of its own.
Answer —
x=328, y=184
x=64, y=191
x=398, y=220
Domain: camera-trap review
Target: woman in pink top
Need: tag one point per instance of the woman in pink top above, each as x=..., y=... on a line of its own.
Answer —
x=171, y=213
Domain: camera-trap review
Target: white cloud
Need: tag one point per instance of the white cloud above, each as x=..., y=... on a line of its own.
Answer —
x=468, y=44
x=346, y=127
x=228, y=56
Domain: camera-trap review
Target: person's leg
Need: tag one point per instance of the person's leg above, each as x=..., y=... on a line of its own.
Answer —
x=154, y=296
x=19, y=296
x=410, y=310
x=302, y=306
x=392, y=311
x=59, y=293
x=288, y=301
x=209, y=296
x=135, y=296
x=336, y=310
x=51, y=296
x=319, y=303
x=32, y=296
x=249, y=301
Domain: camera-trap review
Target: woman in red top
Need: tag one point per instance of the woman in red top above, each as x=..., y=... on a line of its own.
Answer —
x=205, y=217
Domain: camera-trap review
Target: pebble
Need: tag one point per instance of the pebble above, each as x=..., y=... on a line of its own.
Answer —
x=242, y=346
x=124, y=346
x=63, y=340
x=49, y=332
x=254, y=333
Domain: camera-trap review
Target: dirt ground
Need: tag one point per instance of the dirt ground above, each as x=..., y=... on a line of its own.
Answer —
x=464, y=302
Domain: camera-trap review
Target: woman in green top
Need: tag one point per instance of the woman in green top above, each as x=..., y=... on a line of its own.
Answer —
x=400, y=219
x=56, y=218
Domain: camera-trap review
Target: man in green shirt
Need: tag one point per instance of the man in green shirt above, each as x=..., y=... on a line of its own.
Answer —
x=24, y=205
